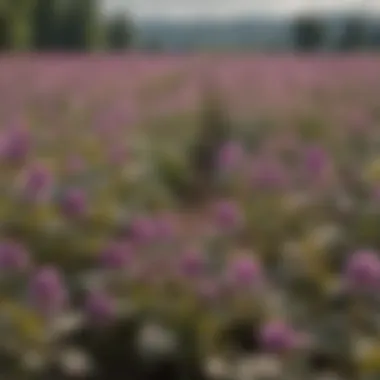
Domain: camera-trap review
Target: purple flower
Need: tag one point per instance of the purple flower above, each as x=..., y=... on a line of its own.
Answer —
x=363, y=270
x=74, y=203
x=316, y=160
x=228, y=215
x=268, y=175
x=230, y=156
x=192, y=263
x=37, y=182
x=99, y=308
x=13, y=256
x=118, y=155
x=74, y=164
x=47, y=291
x=143, y=229
x=277, y=336
x=245, y=271
x=208, y=290
x=376, y=193
x=116, y=255
x=165, y=226
x=359, y=120
x=16, y=145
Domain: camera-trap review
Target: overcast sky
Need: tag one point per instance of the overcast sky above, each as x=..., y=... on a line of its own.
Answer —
x=226, y=8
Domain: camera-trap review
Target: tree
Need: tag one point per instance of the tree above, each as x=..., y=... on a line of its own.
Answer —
x=80, y=26
x=3, y=30
x=70, y=25
x=45, y=18
x=354, y=35
x=92, y=24
x=19, y=26
x=118, y=32
x=309, y=33
x=375, y=38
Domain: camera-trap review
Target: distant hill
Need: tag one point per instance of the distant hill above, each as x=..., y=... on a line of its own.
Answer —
x=205, y=34
x=244, y=33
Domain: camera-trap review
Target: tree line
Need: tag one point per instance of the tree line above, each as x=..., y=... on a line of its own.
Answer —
x=310, y=34
x=64, y=25
x=81, y=26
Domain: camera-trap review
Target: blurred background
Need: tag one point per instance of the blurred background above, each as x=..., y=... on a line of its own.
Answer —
x=168, y=25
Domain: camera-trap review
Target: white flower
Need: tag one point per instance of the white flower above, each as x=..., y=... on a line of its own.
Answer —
x=154, y=339
x=217, y=368
x=63, y=324
x=329, y=376
x=75, y=362
x=33, y=361
x=328, y=235
x=258, y=367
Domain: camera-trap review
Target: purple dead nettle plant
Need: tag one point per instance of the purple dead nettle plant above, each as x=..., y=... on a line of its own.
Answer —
x=14, y=257
x=362, y=271
x=228, y=216
x=143, y=229
x=192, y=263
x=36, y=183
x=209, y=291
x=268, y=174
x=230, y=157
x=100, y=308
x=279, y=337
x=47, y=290
x=245, y=271
x=317, y=162
x=16, y=145
x=73, y=203
x=167, y=226
x=117, y=255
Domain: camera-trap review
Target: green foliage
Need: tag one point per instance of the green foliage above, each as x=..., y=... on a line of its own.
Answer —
x=4, y=39
x=68, y=25
x=15, y=29
x=214, y=131
x=44, y=20
x=76, y=24
x=176, y=177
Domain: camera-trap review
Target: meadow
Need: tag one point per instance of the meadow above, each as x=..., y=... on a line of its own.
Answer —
x=190, y=217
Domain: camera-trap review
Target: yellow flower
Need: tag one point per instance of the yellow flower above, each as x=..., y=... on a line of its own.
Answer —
x=28, y=326
x=43, y=215
x=312, y=258
x=372, y=172
x=209, y=326
x=369, y=357
x=141, y=295
x=90, y=245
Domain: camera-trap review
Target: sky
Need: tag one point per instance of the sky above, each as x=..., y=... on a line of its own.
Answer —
x=229, y=8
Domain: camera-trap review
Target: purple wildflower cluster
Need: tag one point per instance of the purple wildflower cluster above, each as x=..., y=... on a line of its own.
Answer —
x=91, y=225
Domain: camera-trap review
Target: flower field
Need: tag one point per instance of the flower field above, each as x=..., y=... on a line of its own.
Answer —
x=190, y=217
